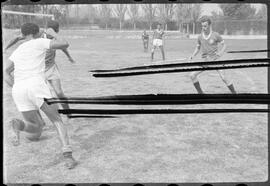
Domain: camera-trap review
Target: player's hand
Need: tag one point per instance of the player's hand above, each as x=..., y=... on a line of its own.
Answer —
x=71, y=60
x=219, y=55
x=190, y=58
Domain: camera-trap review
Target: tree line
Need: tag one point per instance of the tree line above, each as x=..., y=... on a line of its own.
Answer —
x=182, y=17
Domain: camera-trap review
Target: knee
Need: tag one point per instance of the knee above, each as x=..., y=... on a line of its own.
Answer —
x=34, y=136
x=60, y=93
x=193, y=77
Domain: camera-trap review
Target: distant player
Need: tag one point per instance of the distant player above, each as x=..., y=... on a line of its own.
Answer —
x=51, y=69
x=29, y=88
x=158, y=41
x=145, y=39
x=208, y=43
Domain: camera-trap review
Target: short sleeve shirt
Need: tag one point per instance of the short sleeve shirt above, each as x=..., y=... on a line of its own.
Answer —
x=158, y=34
x=29, y=59
x=209, y=46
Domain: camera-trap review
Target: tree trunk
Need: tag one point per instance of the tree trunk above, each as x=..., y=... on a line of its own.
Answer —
x=134, y=26
x=106, y=26
x=187, y=28
x=120, y=25
x=193, y=28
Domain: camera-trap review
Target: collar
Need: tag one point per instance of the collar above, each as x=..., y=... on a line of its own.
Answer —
x=209, y=35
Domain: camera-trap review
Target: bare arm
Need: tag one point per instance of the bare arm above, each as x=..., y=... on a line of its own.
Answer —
x=196, y=51
x=57, y=42
x=9, y=79
x=223, y=48
x=14, y=41
x=68, y=55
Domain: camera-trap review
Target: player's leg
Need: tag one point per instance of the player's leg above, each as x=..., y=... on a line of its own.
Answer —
x=153, y=49
x=152, y=52
x=162, y=52
x=147, y=42
x=32, y=126
x=56, y=85
x=226, y=81
x=55, y=118
x=195, y=81
x=53, y=77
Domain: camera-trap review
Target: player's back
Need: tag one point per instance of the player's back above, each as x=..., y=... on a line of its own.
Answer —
x=29, y=59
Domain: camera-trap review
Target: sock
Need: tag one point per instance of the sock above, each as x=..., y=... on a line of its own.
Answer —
x=198, y=87
x=231, y=87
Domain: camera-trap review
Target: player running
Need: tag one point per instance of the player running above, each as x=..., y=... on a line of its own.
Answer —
x=158, y=41
x=51, y=69
x=145, y=39
x=29, y=88
x=208, y=43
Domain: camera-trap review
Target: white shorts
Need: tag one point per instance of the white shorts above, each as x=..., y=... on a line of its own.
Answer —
x=29, y=94
x=157, y=42
x=52, y=73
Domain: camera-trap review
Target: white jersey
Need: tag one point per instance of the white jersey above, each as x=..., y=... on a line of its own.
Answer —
x=29, y=59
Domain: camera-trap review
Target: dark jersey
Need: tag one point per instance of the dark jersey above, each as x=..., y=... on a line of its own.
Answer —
x=209, y=45
x=145, y=36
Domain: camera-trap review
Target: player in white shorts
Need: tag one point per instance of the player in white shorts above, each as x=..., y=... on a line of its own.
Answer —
x=51, y=69
x=158, y=41
x=29, y=88
x=208, y=43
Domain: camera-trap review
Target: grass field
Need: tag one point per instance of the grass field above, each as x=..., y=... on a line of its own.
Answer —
x=146, y=148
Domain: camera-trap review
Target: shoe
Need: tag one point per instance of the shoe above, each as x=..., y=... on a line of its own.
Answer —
x=70, y=162
x=17, y=126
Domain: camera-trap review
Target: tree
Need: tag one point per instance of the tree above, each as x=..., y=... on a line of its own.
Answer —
x=238, y=11
x=196, y=11
x=183, y=15
x=262, y=13
x=92, y=13
x=120, y=11
x=133, y=13
x=166, y=12
x=150, y=12
x=105, y=13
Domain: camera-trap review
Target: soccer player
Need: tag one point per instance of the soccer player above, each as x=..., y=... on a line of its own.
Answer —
x=51, y=69
x=208, y=43
x=29, y=88
x=158, y=41
x=145, y=39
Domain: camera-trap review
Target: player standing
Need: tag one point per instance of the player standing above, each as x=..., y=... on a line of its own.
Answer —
x=145, y=39
x=208, y=42
x=158, y=41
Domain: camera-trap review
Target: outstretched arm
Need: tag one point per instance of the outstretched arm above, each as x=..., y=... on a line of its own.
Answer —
x=14, y=41
x=196, y=51
x=68, y=55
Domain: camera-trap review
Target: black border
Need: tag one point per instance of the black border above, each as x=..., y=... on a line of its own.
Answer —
x=267, y=2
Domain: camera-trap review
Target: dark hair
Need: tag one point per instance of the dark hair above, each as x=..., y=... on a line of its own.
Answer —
x=29, y=28
x=53, y=24
x=205, y=19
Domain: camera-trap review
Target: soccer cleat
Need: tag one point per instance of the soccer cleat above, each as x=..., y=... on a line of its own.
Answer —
x=17, y=126
x=70, y=162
